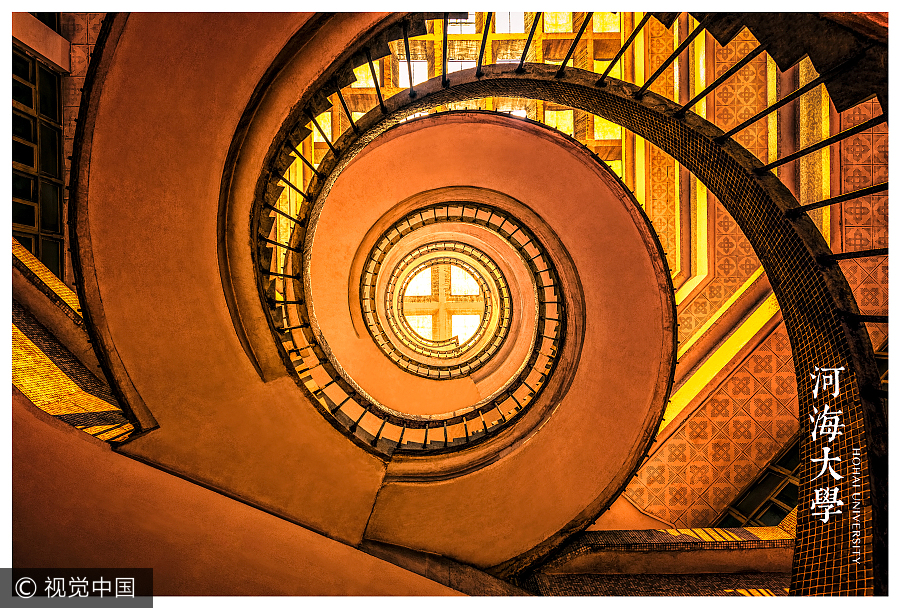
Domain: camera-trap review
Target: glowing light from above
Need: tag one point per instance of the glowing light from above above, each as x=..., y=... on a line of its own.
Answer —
x=604, y=129
x=419, y=70
x=324, y=120
x=606, y=22
x=462, y=284
x=616, y=166
x=465, y=326
x=457, y=66
x=420, y=285
x=462, y=26
x=561, y=120
x=509, y=23
x=364, y=76
x=615, y=72
x=557, y=22
x=421, y=324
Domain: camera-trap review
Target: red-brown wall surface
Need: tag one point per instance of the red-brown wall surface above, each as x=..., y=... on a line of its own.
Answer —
x=78, y=503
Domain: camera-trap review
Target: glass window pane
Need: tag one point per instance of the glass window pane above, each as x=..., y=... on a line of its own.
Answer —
x=26, y=240
x=791, y=458
x=22, y=66
x=22, y=153
x=22, y=93
x=773, y=515
x=23, y=214
x=421, y=324
x=759, y=493
x=456, y=66
x=508, y=51
x=606, y=22
x=49, y=150
x=51, y=20
x=462, y=283
x=419, y=70
x=23, y=187
x=509, y=23
x=50, y=221
x=420, y=285
x=557, y=22
x=730, y=521
x=48, y=93
x=462, y=26
x=23, y=127
x=464, y=326
x=51, y=255
x=788, y=495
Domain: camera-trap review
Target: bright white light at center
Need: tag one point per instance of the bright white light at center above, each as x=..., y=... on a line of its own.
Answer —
x=420, y=285
x=421, y=324
x=465, y=326
x=462, y=283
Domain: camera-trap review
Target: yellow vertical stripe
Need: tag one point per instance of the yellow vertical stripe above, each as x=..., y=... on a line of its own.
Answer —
x=699, y=70
x=683, y=348
x=701, y=243
x=826, y=164
x=722, y=355
x=772, y=119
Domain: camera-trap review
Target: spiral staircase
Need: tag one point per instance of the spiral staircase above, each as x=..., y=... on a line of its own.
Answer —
x=246, y=278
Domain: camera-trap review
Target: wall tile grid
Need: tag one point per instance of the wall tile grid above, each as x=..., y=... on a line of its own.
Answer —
x=733, y=434
x=732, y=258
x=737, y=429
x=864, y=162
x=662, y=199
x=81, y=30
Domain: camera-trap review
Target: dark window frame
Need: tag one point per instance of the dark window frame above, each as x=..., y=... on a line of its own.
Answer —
x=51, y=20
x=47, y=234
x=770, y=498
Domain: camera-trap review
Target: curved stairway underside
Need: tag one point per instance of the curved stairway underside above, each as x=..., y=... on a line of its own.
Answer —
x=227, y=366
x=583, y=418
